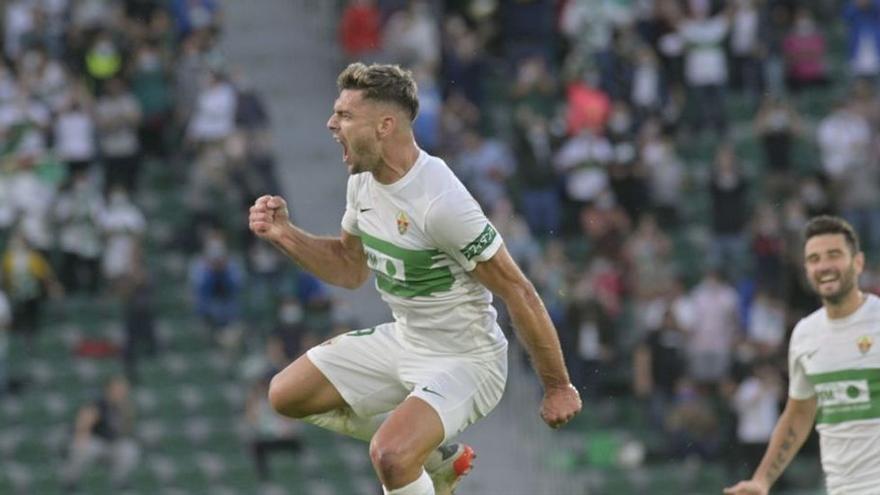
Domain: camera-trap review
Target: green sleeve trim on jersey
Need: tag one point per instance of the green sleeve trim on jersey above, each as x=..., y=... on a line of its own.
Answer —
x=847, y=395
x=478, y=245
x=405, y=272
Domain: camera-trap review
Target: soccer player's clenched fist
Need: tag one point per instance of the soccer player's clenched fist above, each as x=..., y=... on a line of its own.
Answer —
x=268, y=217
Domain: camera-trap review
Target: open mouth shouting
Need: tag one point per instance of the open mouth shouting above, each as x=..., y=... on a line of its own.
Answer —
x=345, y=155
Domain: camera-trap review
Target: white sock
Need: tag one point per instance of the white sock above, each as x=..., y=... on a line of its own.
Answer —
x=421, y=486
x=345, y=421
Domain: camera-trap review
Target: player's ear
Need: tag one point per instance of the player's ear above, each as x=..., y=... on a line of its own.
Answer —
x=387, y=123
x=859, y=261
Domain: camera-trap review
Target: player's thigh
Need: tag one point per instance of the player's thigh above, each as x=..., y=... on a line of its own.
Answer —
x=363, y=367
x=411, y=432
x=301, y=390
x=461, y=390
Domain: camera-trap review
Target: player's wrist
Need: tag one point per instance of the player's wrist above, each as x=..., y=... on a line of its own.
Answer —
x=558, y=387
x=762, y=482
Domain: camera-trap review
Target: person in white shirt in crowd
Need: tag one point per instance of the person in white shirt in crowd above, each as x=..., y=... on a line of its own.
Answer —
x=213, y=119
x=33, y=217
x=845, y=139
x=412, y=36
x=118, y=115
x=766, y=324
x=745, y=46
x=756, y=402
x=47, y=77
x=123, y=225
x=20, y=108
x=706, y=63
x=715, y=326
x=19, y=19
x=74, y=133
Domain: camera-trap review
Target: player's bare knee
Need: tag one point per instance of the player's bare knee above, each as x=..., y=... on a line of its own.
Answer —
x=390, y=460
x=281, y=400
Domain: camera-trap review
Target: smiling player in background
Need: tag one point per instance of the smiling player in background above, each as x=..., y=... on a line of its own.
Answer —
x=834, y=372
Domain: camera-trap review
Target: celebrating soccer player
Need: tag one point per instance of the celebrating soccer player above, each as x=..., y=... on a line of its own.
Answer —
x=411, y=385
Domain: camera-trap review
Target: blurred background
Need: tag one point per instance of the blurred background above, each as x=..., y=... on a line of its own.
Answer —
x=649, y=163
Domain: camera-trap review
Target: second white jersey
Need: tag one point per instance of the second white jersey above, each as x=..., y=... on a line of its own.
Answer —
x=838, y=361
x=422, y=235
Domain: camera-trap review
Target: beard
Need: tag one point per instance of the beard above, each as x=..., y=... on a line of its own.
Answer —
x=364, y=157
x=846, y=283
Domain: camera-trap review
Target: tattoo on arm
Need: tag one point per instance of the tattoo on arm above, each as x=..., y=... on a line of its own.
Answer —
x=783, y=457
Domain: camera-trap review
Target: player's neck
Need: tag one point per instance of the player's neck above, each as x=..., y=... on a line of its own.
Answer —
x=847, y=306
x=397, y=159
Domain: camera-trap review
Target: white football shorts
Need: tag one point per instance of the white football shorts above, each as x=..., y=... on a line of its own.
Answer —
x=374, y=370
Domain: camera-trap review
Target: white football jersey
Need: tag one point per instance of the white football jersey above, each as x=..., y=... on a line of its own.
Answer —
x=838, y=361
x=422, y=235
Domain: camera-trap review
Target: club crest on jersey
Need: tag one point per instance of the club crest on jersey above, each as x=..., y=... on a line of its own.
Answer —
x=402, y=223
x=865, y=342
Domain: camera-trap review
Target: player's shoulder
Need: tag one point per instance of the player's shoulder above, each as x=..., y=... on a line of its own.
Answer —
x=808, y=326
x=439, y=178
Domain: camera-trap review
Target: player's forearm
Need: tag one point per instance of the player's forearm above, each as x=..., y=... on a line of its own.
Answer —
x=790, y=433
x=538, y=335
x=325, y=257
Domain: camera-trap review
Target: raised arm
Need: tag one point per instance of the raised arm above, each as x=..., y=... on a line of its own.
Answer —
x=336, y=260
x=790, y=433
x=535, y=330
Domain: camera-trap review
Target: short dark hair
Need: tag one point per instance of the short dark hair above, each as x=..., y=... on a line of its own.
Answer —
x=828, y=224
x=382, y=82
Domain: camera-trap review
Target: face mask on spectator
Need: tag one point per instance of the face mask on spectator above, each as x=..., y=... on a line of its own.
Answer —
x=290, y=314
x=148, y=62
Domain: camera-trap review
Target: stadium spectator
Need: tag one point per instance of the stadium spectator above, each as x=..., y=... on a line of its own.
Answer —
x=665, y=171
x=804, y=49
x=360, y=29
x=541, y=205
x=863, y=42
x=103, y=430
x=118, y=117
x=269, y=431
x=150, y=85
x=213, y=119
x=74, y=133
x=756, y=402
x=659, y=362
x=5, y=328
x=729, y=191
x=692, y=424
x=746, y=67
x=76, y=212
x=122, y=225
x=216, y=280
x=777, y=124
x=716, y=326
x=766, y=325
x=485, y=164
x=28, y=282
x=706, y=73
x=411, y=36
x=137, y=289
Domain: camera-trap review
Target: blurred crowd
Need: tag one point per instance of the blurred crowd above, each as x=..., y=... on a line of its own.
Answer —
x=607, y=142
x=108, y=109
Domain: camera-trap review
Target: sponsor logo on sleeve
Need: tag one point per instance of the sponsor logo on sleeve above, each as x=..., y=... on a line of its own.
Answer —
x=478, y=245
